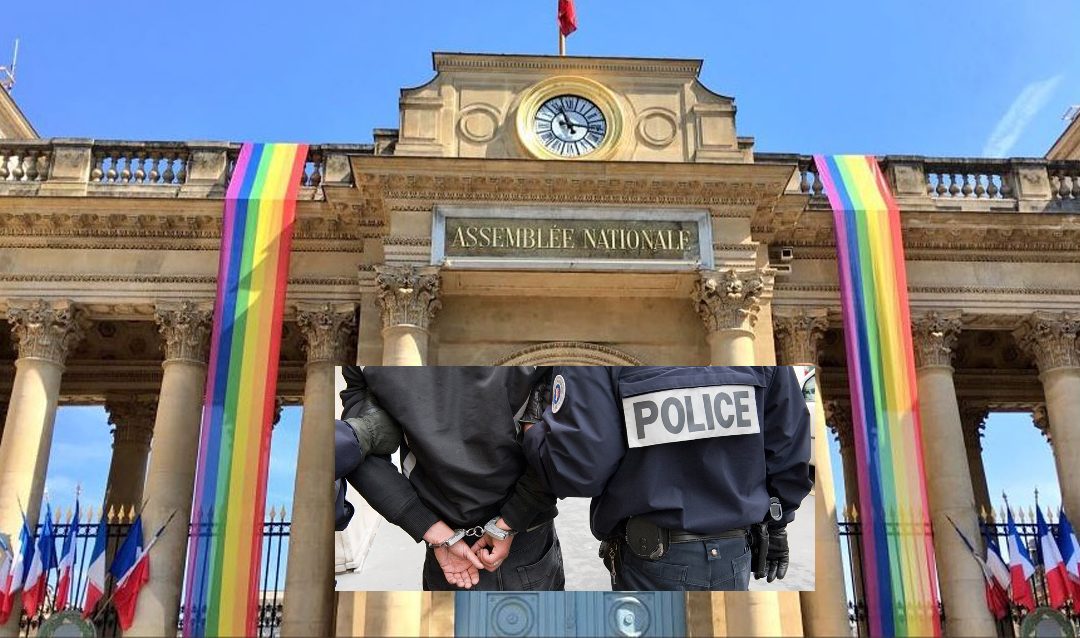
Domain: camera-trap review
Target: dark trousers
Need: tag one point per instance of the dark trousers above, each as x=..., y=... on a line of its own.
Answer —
x=713, y=565
x=535, y=563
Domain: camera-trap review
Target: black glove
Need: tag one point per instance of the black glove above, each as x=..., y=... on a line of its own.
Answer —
x=778, y=552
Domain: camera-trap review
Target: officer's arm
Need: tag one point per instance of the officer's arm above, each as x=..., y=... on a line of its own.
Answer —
x=530, y=497
x=576, y=449
x=391, y=494
x=787, y=442
x=375, y=431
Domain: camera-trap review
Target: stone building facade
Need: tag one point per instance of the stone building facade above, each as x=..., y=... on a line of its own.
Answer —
x=702, y=251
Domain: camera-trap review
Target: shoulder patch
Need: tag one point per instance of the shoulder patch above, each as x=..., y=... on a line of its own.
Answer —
x=689, y=414
x=558, y=393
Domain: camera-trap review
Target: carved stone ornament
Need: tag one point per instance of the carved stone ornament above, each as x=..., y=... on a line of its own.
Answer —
x=46, y=329
x=132, y=418
x=797, y=336
x=408, y=295
x=185, y=328
x=838, y=419
x=934, y=336
x=729, y=299
x=973, y=421
x=1041, y=418
x=328, y=329
x=1051, y=338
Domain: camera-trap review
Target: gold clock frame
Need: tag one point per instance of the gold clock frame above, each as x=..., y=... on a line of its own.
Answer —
x=591, y=90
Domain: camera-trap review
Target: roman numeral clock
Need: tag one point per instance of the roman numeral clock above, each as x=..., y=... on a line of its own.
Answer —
x=569, y=118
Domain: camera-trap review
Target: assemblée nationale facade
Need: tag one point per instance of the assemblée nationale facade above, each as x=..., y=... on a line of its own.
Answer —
x=474, y=233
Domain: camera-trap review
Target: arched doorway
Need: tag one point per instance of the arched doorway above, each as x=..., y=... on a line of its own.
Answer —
x=573, y=353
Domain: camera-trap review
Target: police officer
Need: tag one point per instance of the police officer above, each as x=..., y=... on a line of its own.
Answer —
x=466, y=489
x=689, y=468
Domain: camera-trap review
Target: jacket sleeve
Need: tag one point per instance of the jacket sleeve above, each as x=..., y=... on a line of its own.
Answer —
x=787, y=442
x=576, y=449
x=530, y=497
x=390, y=493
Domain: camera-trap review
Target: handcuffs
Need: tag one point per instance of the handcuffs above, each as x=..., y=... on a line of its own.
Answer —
x=490, y=528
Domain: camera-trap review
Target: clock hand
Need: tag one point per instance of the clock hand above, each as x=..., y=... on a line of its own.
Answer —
x=566, y=120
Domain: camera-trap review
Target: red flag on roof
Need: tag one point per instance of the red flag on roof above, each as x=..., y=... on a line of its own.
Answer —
x=567, y=17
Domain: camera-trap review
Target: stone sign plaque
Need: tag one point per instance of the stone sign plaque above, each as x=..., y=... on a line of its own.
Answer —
x=535, y=237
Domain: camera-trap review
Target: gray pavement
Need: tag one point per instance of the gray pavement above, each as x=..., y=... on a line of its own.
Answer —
x=394, y=562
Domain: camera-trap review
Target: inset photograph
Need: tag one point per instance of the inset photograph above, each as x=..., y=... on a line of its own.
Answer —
x=586, y=478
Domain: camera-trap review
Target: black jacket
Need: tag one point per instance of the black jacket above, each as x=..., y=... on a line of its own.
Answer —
x=462, y=452
x=699, y=449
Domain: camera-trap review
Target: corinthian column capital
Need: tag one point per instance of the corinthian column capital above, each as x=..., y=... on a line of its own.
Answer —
x=46, y=329
x=838, y=418
x=797, y=335
x=730, y=299
x=132, y=417
x=1041, y=418
x=1051, y=337
x=328, y=329
x=185, y=330
x=408, y=295
x=934, y=336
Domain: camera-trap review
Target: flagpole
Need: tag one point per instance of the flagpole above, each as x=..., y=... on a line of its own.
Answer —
x=562, y=43
x=146, y=550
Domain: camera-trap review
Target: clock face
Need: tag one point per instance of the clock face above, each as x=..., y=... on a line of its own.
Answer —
x=570, y=126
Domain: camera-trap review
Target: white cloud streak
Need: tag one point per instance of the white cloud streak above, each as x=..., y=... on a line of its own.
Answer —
x=1024, y=108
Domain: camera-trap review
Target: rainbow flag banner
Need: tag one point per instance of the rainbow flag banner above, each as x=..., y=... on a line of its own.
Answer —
x=222, y=587
x=898, y=550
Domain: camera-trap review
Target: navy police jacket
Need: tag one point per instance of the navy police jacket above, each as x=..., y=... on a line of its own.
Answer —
x=698, y=449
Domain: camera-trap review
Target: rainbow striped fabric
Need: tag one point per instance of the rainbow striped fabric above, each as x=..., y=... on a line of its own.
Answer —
x=898, y=551
x=234, y=441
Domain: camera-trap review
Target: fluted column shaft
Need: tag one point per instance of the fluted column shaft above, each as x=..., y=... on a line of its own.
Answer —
x=409, y=299
x=46, y=331
x=309, y=581
x=824, y=610
x=1052, y=338
x=949, y=490
x=728, y=303
x=170, y=480
x=133, y=422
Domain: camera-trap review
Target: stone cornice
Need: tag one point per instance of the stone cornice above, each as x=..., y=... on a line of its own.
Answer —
x=45, y=329
x=934, y=336
x=680, y=68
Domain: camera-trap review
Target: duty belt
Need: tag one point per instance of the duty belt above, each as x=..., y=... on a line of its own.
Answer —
x=686, y=537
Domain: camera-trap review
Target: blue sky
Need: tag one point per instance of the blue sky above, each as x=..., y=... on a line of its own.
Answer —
x=988, y=77
x=880, y=77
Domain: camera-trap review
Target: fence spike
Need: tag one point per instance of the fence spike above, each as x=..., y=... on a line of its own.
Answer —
x=131, y=513
x=1031, y=514
x=273, y=513
x=70, y=514
x=1049, y=515
x=58, y=516
x=112, y=514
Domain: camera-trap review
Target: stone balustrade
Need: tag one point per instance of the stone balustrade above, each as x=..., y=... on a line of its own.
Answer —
x=960, y=183
x=63, y=166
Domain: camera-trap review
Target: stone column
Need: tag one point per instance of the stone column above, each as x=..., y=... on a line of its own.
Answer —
x=838, y=418
x=409, y=299
x=948, y=486
x=170, y=481
x=309, y=581
x=1052, y=339
x=728, y=303
x=45, y=331
x=132, y=418
x=824, y=610
x=973, y=421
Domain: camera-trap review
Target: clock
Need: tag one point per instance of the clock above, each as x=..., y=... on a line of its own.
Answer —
x=569, y=118
x=570, y=125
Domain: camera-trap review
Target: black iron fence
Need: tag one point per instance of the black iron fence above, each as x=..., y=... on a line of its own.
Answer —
x=855, y=584
x=274, y=552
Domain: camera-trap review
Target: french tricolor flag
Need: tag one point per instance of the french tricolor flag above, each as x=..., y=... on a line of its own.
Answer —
x=1020, y=568
x=1057, y=580
x=67, y=562
x=95, y=585
x=44, y=559
x=131, y=568
x=16, y=574
x=1070, y=555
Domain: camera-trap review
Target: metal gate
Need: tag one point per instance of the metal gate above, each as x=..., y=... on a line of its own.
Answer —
x=569, y=614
